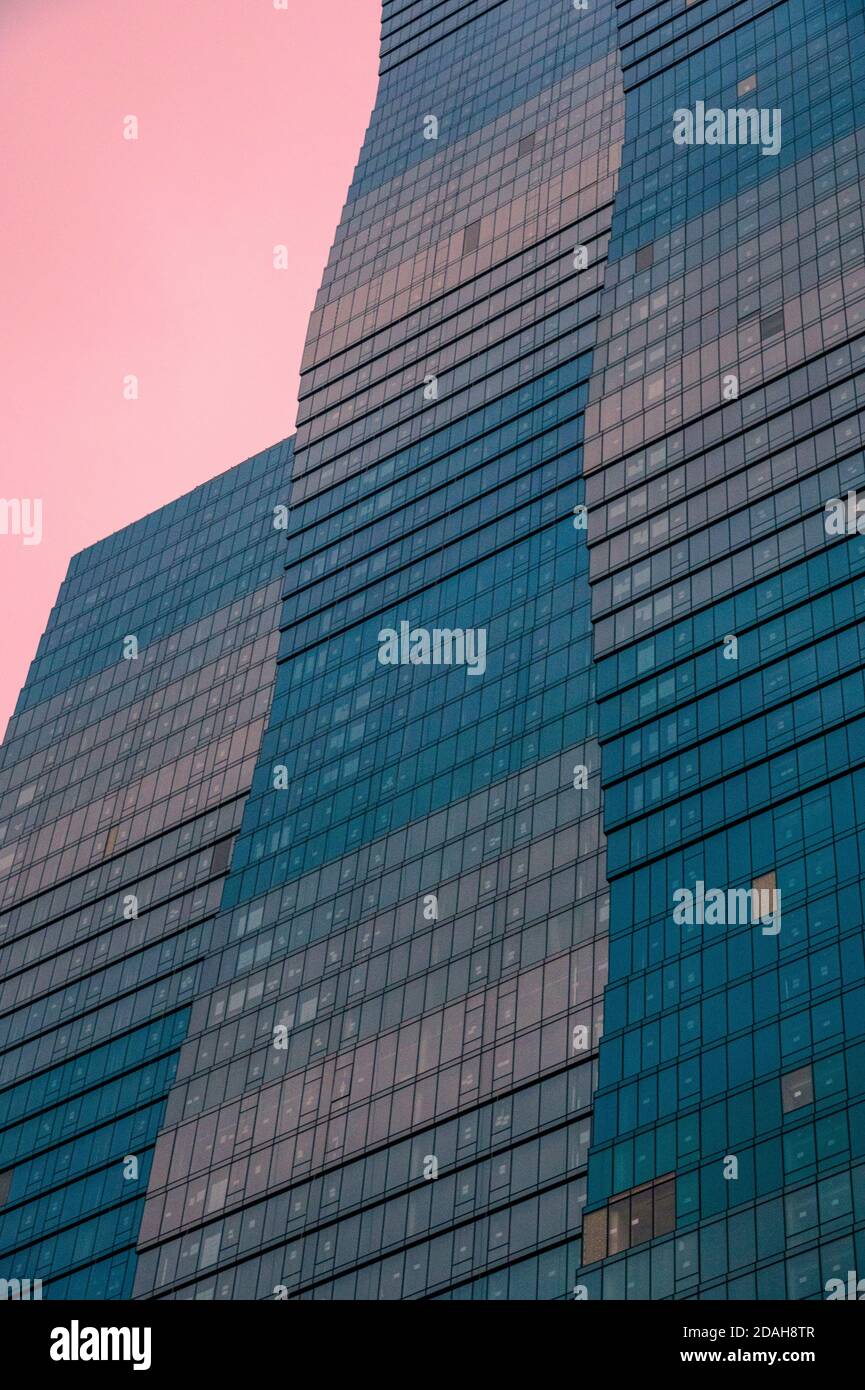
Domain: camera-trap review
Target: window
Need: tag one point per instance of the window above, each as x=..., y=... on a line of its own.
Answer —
x=471, y=237
x=665, y=1208
x=221, y=856
x=772, y=324
x=630, y=1219
x=797, y=1089
x=594, y=1236
x=746, y=85
x=526, y=145
x=5, y=1184
x=645, y=256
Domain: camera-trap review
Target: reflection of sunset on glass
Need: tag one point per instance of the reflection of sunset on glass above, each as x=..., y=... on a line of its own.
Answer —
x=154, y=257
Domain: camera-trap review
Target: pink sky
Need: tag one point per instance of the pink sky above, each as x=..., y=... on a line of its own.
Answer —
x=155, y=257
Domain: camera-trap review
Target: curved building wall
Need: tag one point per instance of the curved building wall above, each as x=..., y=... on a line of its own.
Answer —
x=387, y=1092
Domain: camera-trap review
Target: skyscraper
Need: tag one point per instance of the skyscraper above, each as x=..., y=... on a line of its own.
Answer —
x=122, y=783
x=386, y=1091
x=579, y=417
x=725, y=413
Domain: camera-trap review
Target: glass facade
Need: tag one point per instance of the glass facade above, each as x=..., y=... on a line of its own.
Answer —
x=386, y=1092
x=122, y=782
x=725, y=412
x=558, y=661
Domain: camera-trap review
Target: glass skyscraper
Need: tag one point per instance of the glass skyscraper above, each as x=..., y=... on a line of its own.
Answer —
x=725, y=413
x=385, y=1091
x=122, y=781
x=544, y=596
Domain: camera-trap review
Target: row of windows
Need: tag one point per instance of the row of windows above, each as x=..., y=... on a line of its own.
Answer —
x=80, y=658
x=691, y=1127
x=218, y=497
x=41, y=1171
x=787, y=611
x=218, y=695
x=533, y=994
x=745, y=794
x=714, y=758
x=177, y=953
x=78, y=1095
x=473, y=597
x=86, y=1241
x=691, y=500
x=287, y=1151
x=444, y=548
x=109, y=1278
x=393, y=946
x=94, y=900
x=661, y=23
x=73, y=1204
x=691, y=65
x=796, y=228
x=741, y=1257
x=374, y=437
x=523, y=278
x=627, y=419
x=682, y=957
x=453, y=1190
x=767, y=556
x=124, y=938
x=631, y=1219
x=804, y=221
x=115, y=684
x=148, y=575
x=535, y=306
x=145, y=823
x=808, y=668
x=710, y=301
x=742, y=534
x=426, y=1267
x=456, y=1145
x=546, y=429
x=76, y=1035
x=463, y=364
x=205, y=741
x=765, y=1045
x=414, y=531
x=709, y=194
x=499, y=425
x=826, y=819
x=725, y=1010
x=482, y=73
x=733, y=1174
x=750, y=428
x=718, y=52
x=747, y=1127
